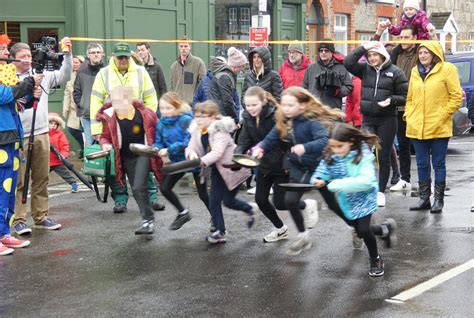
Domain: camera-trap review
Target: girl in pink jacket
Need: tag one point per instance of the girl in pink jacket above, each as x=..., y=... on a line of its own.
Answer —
x=212, y=143
x=413, y=15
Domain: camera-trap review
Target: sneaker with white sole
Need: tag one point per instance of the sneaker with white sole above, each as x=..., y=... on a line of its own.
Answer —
x=357, y=242
x=252, y=191
x=401, y=185
x=21, y=229
x=277, y=235
x=48, y=224
x=301, y=244
x=4, y=250
x=380, y=199
x=216, y=238
x=13, y=242
x=310, y=213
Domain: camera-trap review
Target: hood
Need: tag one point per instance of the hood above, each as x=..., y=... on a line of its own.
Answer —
x=225, y=124
x=266, y=56
x=267, y=111
x=171, y=120
x=382, y=51
x=434, y=47
x=131, y=66
x=218, y=65
x=305, y=62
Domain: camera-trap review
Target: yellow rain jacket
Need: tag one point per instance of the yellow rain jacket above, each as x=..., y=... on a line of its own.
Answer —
x=110, y=77
x=432, y=102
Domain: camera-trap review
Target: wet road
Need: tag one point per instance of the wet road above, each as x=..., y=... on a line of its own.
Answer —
x=96, y=267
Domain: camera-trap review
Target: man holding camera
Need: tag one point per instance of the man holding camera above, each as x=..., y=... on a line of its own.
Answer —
x=40, y=154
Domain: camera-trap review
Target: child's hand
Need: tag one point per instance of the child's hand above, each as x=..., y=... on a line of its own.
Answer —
x=163, y=152
x=298, y=150
x=319, y=183
x=430, y=27
x=106, y=147
x=257, y=152
x=192, y=155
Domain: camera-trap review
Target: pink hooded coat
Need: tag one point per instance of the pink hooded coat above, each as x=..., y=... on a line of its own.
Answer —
x=222, y=150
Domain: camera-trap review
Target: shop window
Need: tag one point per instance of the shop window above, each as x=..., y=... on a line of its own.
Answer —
x=239, y=19
x=341, y=22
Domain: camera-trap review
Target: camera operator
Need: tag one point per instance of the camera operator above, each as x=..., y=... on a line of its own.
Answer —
x=40, y=154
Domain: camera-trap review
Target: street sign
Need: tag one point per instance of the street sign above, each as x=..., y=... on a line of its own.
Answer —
x=262, y=5
x=258, y=36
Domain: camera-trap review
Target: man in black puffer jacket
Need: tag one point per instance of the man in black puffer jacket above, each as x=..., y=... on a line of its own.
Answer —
x=262, y=74
x=327, y=78
x=223, y=84
x=384, y=87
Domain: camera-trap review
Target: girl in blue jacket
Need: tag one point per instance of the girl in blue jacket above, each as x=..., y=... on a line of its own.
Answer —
x=300, y=124
x=172, y=138
x=348, y=169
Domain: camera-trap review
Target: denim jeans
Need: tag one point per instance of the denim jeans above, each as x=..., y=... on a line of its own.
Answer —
x=437, y=149
x=86, y=127
x=221, y=194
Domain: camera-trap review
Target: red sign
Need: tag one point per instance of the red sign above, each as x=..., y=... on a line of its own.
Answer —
x=258, y=36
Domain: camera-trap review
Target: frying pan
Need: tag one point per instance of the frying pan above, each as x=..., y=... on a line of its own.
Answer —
x=182, y=166
x=246, y=161
x=98, y=154
x=297, y=187
x=143, y=150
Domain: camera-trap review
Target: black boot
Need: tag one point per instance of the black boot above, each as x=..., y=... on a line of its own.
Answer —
x=425, y=192
x=438, y=197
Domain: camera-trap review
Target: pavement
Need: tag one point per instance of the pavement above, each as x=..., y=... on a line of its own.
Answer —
x=96, y=267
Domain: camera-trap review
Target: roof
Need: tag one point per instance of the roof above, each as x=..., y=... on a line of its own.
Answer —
x=439, y=19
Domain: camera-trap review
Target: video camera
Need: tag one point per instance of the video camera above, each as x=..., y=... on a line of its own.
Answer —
x=44, y=56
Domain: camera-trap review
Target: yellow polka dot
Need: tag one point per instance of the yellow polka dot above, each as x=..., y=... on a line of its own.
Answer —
x=16, y=164
x=17, y=145
x=7, y=185
x=3, y=156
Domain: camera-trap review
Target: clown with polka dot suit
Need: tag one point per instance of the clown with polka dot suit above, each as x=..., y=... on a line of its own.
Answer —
x=11, y=134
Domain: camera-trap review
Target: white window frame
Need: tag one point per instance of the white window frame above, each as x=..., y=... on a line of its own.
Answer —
x=245, y=23
x=341, y=31
x=233, y=20
x=471, y=44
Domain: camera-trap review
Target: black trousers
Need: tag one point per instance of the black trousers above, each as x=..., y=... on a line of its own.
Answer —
x=385, y=128
x=63, y=172
x=170, y=180
x=264, y=184
x=403, y=148
x=137, y=169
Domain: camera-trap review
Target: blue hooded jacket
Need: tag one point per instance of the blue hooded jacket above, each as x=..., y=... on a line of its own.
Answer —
x=11, y=129
x=172, y=133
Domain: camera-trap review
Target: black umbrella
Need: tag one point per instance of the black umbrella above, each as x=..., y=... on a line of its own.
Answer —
x=71, y=168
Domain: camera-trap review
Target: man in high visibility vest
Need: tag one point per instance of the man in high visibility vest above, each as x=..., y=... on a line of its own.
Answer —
x=123, y=71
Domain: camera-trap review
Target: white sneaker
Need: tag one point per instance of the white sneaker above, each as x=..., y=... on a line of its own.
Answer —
x=310, y=213
x=302, y=243
x=252, y=190
x=277, y=235
x=401, y=185
x=380, y=199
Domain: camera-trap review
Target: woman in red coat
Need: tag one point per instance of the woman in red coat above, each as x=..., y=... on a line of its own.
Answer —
x=58, y=139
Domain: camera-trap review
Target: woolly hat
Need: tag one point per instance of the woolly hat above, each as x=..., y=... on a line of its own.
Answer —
x=235, y=57
x=297, y=47
x=411, y=4
x=329, y=46
x=55, y=117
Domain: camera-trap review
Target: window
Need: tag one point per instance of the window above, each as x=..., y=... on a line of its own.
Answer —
x=12, y=29
x=471, y=44
x=384, y=37
x=365, y=37
x=464, y=70
x=239, y=19
x=340, y=32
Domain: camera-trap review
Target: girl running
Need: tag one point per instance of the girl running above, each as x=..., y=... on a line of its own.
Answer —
x=348, y=168
x=172, y=138
x=212, y=143
x=300, y=121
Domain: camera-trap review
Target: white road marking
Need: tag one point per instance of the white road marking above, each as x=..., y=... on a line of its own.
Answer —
x=433, y=282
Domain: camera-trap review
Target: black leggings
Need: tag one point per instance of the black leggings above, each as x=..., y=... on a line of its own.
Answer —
x=169, y=182
x=264, y=184
x=385, y=128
